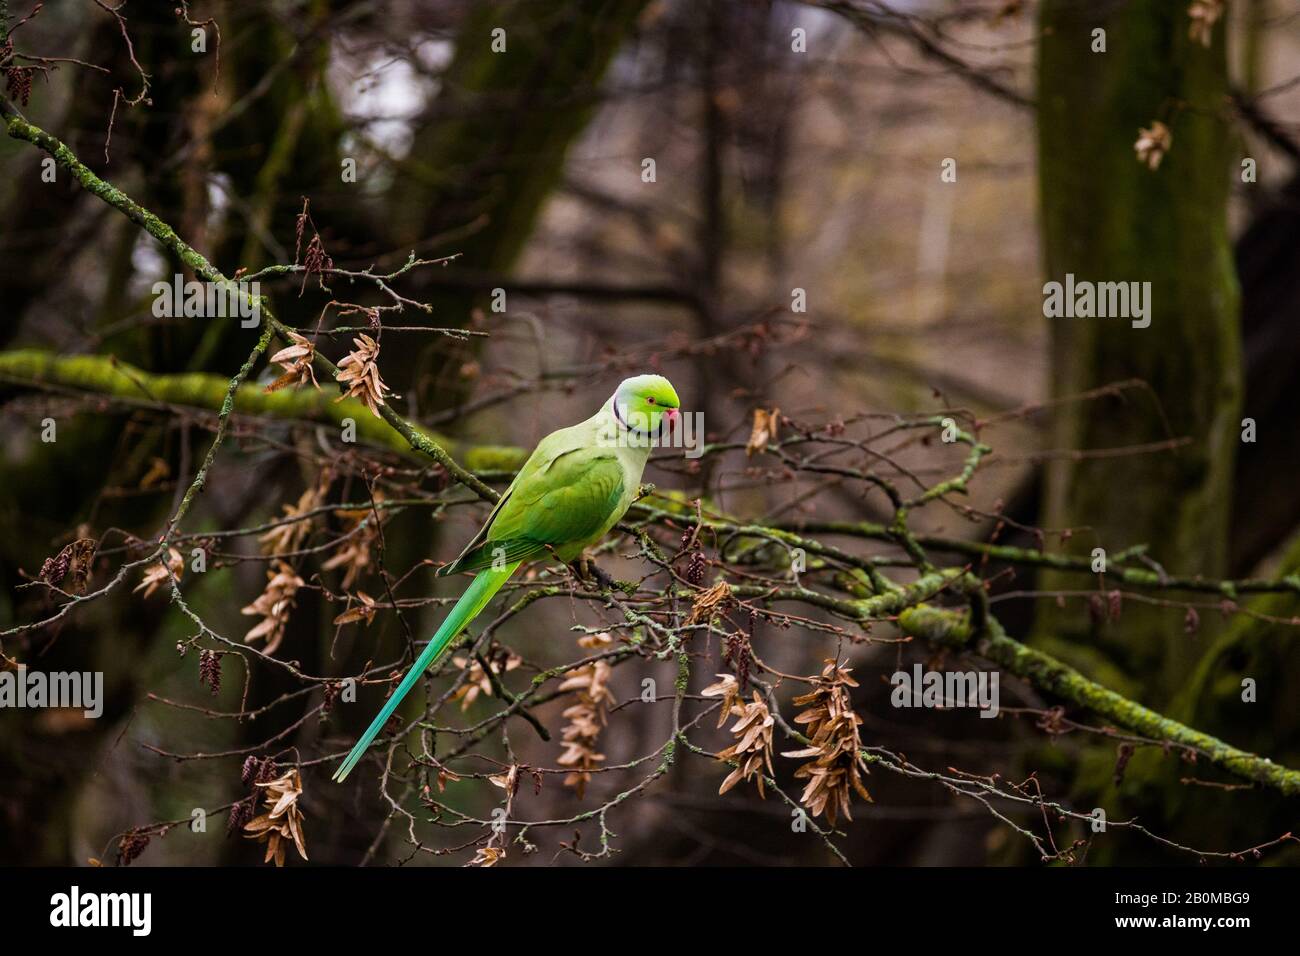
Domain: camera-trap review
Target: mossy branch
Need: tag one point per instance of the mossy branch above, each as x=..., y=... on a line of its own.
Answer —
x=876, y=607
x=792, y=535
x=953, y=629
x=103, y=375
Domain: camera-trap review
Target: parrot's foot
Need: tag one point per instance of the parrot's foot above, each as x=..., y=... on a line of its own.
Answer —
x=586, y=569
x=644, y=491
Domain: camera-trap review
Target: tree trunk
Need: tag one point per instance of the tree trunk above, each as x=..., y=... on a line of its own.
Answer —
x=1107, y=217
x=489, y=151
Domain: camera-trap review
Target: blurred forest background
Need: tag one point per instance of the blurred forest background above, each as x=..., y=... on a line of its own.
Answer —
x=795, y=146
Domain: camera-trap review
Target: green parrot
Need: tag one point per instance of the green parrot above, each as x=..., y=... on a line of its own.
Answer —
x=575, y=486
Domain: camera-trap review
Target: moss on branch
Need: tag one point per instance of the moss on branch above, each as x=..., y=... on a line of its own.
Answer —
x=101, y=375
x=953, y=629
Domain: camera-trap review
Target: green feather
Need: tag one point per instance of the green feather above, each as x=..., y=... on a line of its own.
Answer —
x=475, y=598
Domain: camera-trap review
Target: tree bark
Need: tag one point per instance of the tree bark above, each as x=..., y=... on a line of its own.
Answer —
x=491, y=148
x=1107, y=217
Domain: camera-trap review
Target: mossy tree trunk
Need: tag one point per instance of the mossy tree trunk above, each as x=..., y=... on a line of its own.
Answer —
x=1107, y=217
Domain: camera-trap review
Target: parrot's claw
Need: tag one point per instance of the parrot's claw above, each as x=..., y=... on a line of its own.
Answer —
x=586, y=569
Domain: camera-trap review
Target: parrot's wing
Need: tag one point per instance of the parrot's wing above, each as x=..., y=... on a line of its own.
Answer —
x=479, y=538
x=568, y=498
x=553, y=445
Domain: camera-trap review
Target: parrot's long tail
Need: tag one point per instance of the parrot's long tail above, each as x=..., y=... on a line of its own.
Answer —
x=476, y=596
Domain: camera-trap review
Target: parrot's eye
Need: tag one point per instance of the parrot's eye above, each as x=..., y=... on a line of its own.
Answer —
x=650, y=400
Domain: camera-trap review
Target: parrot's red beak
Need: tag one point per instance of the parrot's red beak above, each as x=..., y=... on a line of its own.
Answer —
x=671, y=415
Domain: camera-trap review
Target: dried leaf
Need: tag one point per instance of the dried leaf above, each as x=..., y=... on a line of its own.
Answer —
x=1204, y=14
x=1153, y=143
x=586, y=718
x=359, y=373
x=282, y=823
x=837, y=766
x=488, y=856
x=274, y=605
x=763, y=431
x=70, y=569
x=159, y=574
x=707, y=602
x=752, y=750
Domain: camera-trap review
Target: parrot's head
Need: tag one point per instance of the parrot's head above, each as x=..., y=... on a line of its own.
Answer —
x=647, y=403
